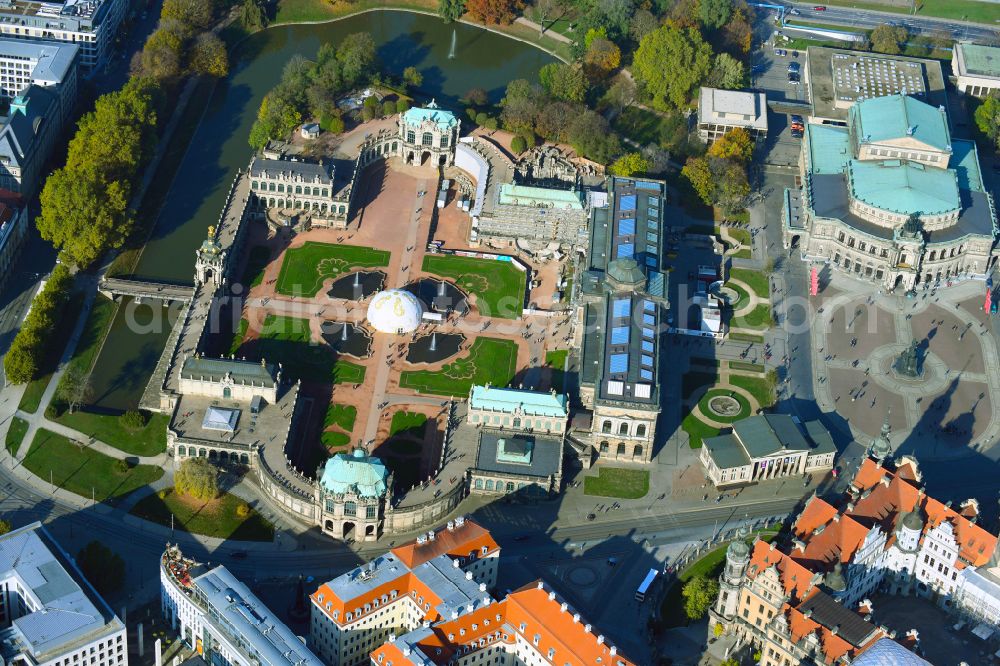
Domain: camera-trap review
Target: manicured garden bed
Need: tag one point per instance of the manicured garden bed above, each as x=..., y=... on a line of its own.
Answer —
x=498, y=286
x=490, y=360
x=756, y=280
x=304, y=268
x=618, y=482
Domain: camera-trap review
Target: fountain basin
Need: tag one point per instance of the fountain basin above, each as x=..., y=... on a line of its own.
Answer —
x=445, y=345
x=347, y=338
x=357, y=286
x=439, y=295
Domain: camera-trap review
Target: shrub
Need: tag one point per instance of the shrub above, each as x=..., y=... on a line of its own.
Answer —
x=332, y=122
x=472, y=113
x=481, y=118
x=5, y=526
x=162, y=494
x=133, y=419
x=388, y=107
x=121, y=466
x=197, y=478
x=402, y=106
x=490, y=124
x=517, y=144
x=243, y=510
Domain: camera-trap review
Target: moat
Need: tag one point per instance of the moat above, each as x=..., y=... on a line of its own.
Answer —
x=219, y=146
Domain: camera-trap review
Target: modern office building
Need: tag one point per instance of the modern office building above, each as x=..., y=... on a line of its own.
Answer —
x=90, y=24
x=977, y=68
x=767, y=446
x=50, y=615
x=218, y=617
x=720, y=111
x=623, y=304
x=892, y=198
x=44, y=64
x=443, y=574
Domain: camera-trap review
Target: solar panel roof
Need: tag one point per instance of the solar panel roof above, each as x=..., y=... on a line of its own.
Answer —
x=619, y=363
x=620, y=335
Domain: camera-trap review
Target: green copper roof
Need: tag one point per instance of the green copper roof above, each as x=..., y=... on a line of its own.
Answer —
x=356, y=473
x=533, y=403
x=215, y=369
x=893, y=117
x=904, y=187
x=829, y=148
x=982, y=60
x=523, y=195
x=444, y=119
x=965, y=162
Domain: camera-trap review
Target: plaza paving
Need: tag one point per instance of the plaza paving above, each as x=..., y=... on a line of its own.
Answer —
x=858, y=334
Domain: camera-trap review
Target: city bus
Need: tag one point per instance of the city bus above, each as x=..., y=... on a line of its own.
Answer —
x=640, y=594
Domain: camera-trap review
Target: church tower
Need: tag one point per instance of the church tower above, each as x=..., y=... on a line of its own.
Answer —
x=730, y=582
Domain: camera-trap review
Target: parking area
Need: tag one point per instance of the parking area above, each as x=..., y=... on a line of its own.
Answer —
x=770, y=74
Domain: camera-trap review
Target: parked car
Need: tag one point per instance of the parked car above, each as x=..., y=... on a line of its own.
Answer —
x=794, y=67
x=819, y=8
x=793, y=77
x=780, y=52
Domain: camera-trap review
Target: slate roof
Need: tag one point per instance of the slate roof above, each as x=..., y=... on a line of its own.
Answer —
x=53, y=59
x=767, y=434
x=546, y=453
x=309, y=171
x=830, y=614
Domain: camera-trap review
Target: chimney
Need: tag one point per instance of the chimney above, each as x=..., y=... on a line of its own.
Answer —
x=392, y=637
x=600, y=639
x=552, y=596
x=468, y=575
x=563, y=606
x=541, y=585
x=451, y=525
x=430, y=535
x=482, y=587
x=614, y=650
x=576, y=618
x=586, y=628
x=454, y=563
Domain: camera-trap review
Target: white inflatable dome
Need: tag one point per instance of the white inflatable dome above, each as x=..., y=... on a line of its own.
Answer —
x=395, y=311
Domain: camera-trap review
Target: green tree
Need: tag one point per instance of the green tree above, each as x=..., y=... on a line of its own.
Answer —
x=208, y=56
x=888, y=38
x=642, y=23
x=602, y=58
x=197, y=478
x=83, y=214
x=133, y=419
x=699, y=594
x=718, y=629
x=590, y=136
x=357, y=58
x=195, y=13
x=727, y=73
x=74, y=387
x=161, y=55
x=987, y=117
x=388, y=107
x=103, y=567
x=733, y=187
x=715, y=13
x=519, y=107
x=333, y=123
x=566, y=82
x=671, y=62
x=252, y=15
x=698, y=174
x=518, y=145
x=451, y=10
x=413, y=77
x=20, y=363
x=477, y=97
x=5, y=526
x=735, y=144
x=599, y=32
x=402, y=106
x=630, y=164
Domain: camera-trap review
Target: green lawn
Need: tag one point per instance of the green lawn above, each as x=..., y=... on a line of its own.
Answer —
x=497, y=285
x=15, y=434
x=711, y=393
x=759, y=318
x=961, y=10
x=34, y=389
x=340, y=415
x=556, y=360
x=150, y=440
x=697, y=430
x=640, y=125
x=300, y=11
x=756, y=280
x=217, y=518
x=334, y=439
x=742, y=236
x=761, y=388
x=741, y=292
x=743, y=253
x=239, y=336
x=489, y=360
x=746, y=337
x=742, y=365
x=304, y=268
x=80, y=470
x=617, y=482
x=288, y=340
x=253, y=272
x=404, y=422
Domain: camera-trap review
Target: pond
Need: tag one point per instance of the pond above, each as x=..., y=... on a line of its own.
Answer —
x=219, y=147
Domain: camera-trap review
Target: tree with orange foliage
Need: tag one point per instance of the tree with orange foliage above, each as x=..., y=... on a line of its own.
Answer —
x=493, y=11
x=735, y=144
x=602, y=58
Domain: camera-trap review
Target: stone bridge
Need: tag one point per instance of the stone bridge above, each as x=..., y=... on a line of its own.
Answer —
x=141, y=289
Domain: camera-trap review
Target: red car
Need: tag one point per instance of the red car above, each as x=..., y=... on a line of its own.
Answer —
x=819, y=8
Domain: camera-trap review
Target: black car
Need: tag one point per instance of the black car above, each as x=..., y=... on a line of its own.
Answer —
x=793, y=78
x=794, y=67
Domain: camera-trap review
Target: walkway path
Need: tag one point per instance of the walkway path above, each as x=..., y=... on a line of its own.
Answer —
x=693, y=401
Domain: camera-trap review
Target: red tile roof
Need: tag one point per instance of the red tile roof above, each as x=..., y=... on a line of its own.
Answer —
x=795, y=578
x=459, y=541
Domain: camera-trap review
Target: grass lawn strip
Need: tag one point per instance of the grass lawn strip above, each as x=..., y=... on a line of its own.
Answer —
x=304, y=268
x=32, y=396
x=756, y=280
x=345, y=372
x=150, y=440
x=239, y=336
x=746, y=337
x=215, y=518
x=697, y=430
x=288, y=340
x=617, y=482
x=333, y=439
x=640, y=125
x=712, y=393
x=497, y=285
x=406, y=421
x=15, y=434
x=490, y=360
x=759, y=318
x=79, y=469
x=749, y=367
x=760, y=388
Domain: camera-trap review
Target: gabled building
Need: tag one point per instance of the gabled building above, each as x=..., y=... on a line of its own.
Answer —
x=887, y=535
x=892, y=198
x=623, y=309
x=440, y=576
x=27, y=137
